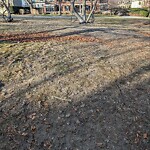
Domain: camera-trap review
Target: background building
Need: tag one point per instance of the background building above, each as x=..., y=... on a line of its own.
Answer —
x=53, y=6
x=136, y=4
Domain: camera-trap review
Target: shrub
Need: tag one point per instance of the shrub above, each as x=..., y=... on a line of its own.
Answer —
x=139, y=11
x=119, y=11
x=144, y=13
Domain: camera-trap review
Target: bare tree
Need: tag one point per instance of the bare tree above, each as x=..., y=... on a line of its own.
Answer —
x=60, y=1
x=6, y=14
x=29, y=2
x=84, y=9
x=83, y=18
x=91, y=15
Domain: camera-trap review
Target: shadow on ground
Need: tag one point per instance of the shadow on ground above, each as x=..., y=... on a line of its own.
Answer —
x=47, y=36
x=116, y=117
x=1, y=85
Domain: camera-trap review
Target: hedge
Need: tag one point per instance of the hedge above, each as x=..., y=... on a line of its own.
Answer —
x=139, y=11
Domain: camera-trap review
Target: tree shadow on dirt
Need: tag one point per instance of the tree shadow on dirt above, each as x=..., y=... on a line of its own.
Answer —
x=1, y=85
x=53, y=76
x=27, y=37
x=114, y=117
x=114, y=55
x=113, y=31
x=45, y=35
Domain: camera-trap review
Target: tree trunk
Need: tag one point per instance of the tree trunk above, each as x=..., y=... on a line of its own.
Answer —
x=81, y=20
x=8, y=16
x=60, y=7
x=92, y=16
x=30, y=5
x=84, y=10
x=91, y=13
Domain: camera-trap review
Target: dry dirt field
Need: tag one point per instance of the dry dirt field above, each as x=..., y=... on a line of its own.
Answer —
x=66, y=86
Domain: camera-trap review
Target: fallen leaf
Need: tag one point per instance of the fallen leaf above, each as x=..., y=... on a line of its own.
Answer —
x=145, y=135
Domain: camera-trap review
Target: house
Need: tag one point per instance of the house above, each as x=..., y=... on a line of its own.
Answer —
x=140, y=4
x=18, y=3
x=146, y=4
x=136, y=4
x=124, y=3
x=38, y=3
x=38, y=7
x=103, y=5
x=53, y=6
x=16, y=6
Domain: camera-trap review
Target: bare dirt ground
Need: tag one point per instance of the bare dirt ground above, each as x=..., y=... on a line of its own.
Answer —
x=65, y=86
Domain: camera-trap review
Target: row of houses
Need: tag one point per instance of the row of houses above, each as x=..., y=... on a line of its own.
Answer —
x=55, y=6
x=64, y=6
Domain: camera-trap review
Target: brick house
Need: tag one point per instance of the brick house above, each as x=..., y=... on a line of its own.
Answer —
x=52, y=6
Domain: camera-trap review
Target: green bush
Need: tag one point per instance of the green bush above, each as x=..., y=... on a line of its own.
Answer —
x=144, y=13
x=139, y=11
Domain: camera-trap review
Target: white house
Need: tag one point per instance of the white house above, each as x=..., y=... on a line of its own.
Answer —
x=136, y=4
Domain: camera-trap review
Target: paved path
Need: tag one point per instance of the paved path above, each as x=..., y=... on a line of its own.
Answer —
x=69, y=17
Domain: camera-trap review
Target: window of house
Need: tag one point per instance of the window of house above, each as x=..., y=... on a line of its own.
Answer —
x=52, y=8
x=88, y=8
x=67, y=8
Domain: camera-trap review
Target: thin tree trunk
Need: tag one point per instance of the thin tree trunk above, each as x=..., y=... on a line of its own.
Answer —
x=81, y=20
x=30, y=5
x=8, y=17
x=92, y=16
x=91, y=13
x=60, y=7
x=84, y=10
